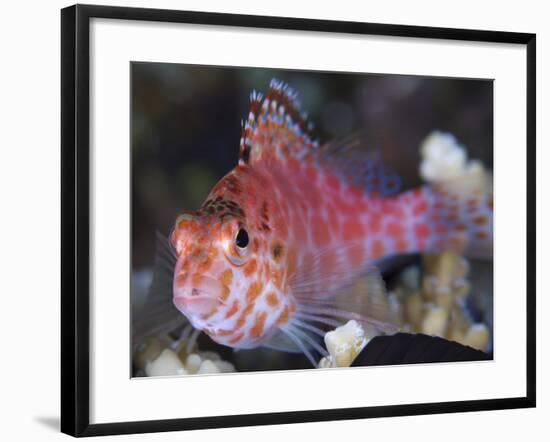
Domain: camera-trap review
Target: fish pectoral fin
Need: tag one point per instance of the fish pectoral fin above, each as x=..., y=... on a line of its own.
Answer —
x=342, y=294
x=280, y=342
x=292, y=338
x=158, y=314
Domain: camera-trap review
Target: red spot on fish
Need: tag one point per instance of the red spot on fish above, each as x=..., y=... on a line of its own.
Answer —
x=196, y=279
x=240, y=321
x=213, y=233
x=253, y=292
x=441, y=228
x=356, y=194
x=258, y=326
x=227, y=277
x=280, y=227
x=225, y=293
x=460, y=227
x=293, y=165
x=356, y=255
x=242, y=318
x=420, y=207
x=332, y=183
x=234, y=309
x=284, y=316
x=277, y=279
x=395, y=209
x=236, y=338
x=321, y=234
x=374, y=224
x=452, y=218
x=377, y=249
x=401, y=246
x=272, y=299
x=481, y=235
x=480, y=220
x=394, y=229
x=353, y=229
x=421, y=231
x=180, y=279
x=311, y=173
x=333, y=220
x=458, y=242
x=204, y=265
x=250, y=268
x=347, y=208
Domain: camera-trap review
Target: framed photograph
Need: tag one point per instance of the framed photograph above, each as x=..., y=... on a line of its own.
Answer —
x=273, y=220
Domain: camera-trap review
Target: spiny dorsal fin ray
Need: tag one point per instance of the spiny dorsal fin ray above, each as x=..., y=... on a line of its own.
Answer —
x=366, y=172
x=275, y=127
x=363, y=167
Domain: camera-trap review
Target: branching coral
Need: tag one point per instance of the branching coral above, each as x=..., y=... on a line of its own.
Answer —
x=164, y=357
x=444, y=160
x=344, y=344
x=434, y=301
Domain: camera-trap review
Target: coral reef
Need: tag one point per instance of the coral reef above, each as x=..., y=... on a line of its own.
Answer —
x=434, y=300
x=343, y=344
x=445, y=161
x=167, y=357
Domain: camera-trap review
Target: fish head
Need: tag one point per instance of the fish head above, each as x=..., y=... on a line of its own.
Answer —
x=225, y=281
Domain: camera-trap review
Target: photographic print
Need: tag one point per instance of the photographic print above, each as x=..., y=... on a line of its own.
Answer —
x=288, y=219
x=255, y=220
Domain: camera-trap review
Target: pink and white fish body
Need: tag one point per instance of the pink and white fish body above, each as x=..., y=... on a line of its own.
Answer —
x=281, y=236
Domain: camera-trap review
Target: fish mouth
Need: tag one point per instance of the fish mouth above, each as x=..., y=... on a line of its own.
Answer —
x=199, y=296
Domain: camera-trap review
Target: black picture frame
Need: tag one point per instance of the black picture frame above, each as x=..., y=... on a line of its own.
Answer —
x=75, y=212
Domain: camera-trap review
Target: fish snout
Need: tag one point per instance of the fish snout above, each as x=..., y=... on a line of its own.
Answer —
x=197, y=295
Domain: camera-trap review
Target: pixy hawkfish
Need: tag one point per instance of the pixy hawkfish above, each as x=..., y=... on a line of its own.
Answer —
x=269, y=258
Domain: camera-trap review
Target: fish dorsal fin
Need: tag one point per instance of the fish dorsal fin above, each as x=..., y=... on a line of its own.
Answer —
x=276, y=127
x=350, y=159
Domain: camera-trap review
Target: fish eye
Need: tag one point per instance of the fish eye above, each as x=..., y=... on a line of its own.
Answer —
x=238, y=250
x=242, y=239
